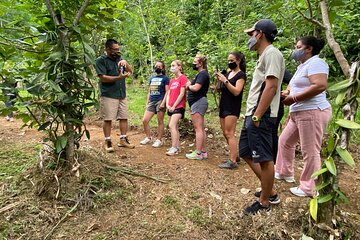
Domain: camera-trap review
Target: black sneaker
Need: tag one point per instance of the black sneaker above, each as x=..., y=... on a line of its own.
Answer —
x=228, y=164
x=274, y=199
x=255, y=207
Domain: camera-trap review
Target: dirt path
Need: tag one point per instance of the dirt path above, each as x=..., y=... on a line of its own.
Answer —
x=200, y=202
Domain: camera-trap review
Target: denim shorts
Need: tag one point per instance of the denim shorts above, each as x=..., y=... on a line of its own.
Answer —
x=200, y=106
x=155, y=107
x=256, y=143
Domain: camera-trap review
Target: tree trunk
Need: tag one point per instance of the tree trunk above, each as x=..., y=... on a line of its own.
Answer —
x=349, y=110
x=70, y=146
x=147, y=34
x=64, y=45
x=331, y=40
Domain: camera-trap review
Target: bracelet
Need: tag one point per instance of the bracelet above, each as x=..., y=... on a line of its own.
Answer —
x=295, y=99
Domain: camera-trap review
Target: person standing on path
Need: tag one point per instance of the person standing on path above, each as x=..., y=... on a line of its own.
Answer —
x=198, y=102
x=310, y=112
x=256, y=140
x=175, y=104
x=230, y=103
x=155, y=103
x=112, y=71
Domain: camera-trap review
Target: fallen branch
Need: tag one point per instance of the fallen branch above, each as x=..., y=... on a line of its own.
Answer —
x=135, y=173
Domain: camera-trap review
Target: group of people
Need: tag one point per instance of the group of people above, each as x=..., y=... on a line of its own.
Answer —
x=268, y=157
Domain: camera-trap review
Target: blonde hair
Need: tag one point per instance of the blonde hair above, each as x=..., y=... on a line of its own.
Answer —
x=179, y=63
x=202, y=59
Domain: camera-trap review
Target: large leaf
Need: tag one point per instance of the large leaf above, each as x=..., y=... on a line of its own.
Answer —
x=322, y=185
x=314, y=208
x=339, y=98
x=347, y=124
x=319, y=172
x=60, y=144
x=44, y=126
x=325, y=198
x=341, y=198
x=345, y=156
x=340, y=85
x=330, y=143
x=331, y=166
x=89, y=49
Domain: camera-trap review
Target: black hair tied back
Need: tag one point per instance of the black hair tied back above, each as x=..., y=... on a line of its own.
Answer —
x=316, y=44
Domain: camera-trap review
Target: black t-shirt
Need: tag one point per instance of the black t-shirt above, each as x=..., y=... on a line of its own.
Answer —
x=230, y=104
x=203, y=78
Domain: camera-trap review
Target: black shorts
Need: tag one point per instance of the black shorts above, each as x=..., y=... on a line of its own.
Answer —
x=223, y=113
x=256, y=143
x=177, y=111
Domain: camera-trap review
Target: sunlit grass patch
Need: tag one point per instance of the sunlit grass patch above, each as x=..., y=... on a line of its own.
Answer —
x=16, y=158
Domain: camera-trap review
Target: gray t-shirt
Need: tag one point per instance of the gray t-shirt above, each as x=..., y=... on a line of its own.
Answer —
x=270, y=63
x=300, y=82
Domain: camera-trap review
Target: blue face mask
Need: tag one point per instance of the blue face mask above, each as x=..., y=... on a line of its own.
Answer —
x=298, y=54
x=251, y=43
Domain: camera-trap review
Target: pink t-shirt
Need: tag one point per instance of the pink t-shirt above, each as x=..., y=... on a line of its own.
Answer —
x=175, y=86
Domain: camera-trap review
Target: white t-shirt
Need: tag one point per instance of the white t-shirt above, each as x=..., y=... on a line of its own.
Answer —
x=270, y=63
x=300, y=82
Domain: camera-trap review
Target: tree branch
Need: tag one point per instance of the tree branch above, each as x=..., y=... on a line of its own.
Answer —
x=80, y=12
x=310, y=9
x=314, y=21
x=345, y=67
x=23, y=49
x=52, y=12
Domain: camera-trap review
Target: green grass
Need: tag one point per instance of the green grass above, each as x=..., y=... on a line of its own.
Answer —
x=172, y=202
x=16, y=158
x=197, y=215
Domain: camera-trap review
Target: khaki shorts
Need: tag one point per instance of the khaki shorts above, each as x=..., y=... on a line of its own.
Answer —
x=113, y=109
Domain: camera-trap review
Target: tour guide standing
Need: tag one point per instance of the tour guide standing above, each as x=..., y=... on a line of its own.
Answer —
x=255, y=145
x=112, y=71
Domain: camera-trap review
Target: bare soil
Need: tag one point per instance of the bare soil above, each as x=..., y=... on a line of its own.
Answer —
x=198, y=200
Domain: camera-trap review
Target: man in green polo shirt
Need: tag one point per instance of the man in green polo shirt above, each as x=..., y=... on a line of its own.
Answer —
x=112, y=71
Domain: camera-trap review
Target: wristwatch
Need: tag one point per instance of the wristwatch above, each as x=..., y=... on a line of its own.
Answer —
x=255, y=118
x=226, y=82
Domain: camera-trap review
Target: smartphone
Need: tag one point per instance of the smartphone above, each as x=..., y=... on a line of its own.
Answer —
x=217, y=69
x=122, y=69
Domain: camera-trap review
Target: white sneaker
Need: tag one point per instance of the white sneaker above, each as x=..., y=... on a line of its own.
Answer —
x=172, y=151
x=287, y=179
x=145, y=141
x=157, y=143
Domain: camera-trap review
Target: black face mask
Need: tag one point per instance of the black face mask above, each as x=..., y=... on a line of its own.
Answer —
x=115, y=54
x=158, y=70
x=232, y=65
x=195, y=67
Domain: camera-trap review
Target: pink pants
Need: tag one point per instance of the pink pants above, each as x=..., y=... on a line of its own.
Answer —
x=308, y=127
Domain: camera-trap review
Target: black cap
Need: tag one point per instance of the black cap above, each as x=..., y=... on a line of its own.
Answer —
x=264, y=25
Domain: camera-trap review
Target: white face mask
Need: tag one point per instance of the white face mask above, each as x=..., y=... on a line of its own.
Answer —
x=173, y=70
